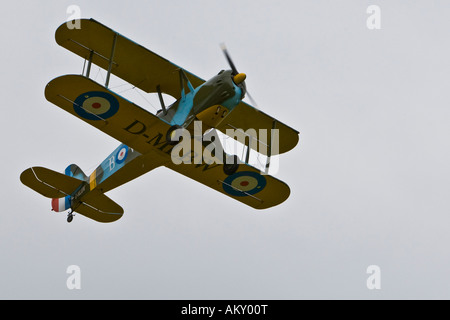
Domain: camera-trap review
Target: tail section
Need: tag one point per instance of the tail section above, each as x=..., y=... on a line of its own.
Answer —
x=63, y=204
x=71, y=191
x=99, y=207
x=49, y=183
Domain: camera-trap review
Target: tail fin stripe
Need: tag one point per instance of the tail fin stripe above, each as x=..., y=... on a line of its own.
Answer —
x=92, y=180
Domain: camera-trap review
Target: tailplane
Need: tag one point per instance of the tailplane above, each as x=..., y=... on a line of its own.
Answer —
x=71, y=191
x=99, y=207
x=49, y=183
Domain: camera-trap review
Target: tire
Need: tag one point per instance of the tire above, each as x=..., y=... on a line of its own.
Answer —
x=230, y=168
x=169, y=136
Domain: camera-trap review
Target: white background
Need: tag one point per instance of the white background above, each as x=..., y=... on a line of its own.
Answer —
x=369, y=179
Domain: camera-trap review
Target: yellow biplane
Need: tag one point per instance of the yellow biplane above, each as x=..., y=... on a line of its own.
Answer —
x=152, y=140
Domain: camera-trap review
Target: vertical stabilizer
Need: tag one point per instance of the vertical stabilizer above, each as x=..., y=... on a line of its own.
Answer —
x=74, y=171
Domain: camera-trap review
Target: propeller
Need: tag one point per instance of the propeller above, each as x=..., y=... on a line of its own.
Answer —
x=238, y=78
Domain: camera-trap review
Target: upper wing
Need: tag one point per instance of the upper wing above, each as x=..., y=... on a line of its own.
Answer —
x=131, y=61
x=107, y=111
x=246, y=117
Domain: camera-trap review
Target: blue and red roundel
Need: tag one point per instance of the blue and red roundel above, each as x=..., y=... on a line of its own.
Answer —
x=96, y=105
x=244, y=183
x=121, y=155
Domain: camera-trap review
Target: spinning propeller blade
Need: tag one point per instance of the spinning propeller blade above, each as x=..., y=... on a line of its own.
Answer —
x=227, y=56
x=239, y=78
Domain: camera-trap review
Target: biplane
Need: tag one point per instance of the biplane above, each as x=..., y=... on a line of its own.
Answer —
x=147, y=139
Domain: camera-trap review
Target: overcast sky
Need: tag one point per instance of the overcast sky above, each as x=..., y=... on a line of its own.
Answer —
x=369, y=179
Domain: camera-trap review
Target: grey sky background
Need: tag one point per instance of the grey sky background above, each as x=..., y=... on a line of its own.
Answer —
x=369, y=179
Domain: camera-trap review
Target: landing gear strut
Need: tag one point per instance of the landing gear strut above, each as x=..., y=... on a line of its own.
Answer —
x=231, y=165
x=171, y=134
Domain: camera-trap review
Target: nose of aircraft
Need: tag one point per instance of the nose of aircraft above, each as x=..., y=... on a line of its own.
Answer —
x=239, y=78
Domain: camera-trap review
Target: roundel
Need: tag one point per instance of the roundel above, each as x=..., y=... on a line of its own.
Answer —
x=96, y=105
x=121, y=155
x=244, y=183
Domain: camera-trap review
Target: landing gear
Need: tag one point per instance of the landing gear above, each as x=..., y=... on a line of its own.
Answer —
x=70, y=216
x=231, y=165
x=171, y=134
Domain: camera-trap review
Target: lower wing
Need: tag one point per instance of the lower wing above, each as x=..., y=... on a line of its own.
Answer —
x=107, y=111
x=246, y=184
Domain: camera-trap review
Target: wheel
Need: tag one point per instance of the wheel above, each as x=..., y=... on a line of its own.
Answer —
x=171, y=134
x=70, y=217
x=231, y=165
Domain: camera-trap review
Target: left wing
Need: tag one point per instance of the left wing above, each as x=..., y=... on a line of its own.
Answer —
x=107, y=111
x=130, y=61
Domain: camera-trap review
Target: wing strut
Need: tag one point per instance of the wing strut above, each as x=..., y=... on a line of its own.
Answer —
x=184, y=80
x=273, y=147
x=88, y=70
x=111, y=60
x=247, y=155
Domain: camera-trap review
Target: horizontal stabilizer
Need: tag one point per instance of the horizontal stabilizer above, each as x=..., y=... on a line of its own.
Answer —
x=130, y=124
x=97, y=206
x=49, y=183
x=246, y=184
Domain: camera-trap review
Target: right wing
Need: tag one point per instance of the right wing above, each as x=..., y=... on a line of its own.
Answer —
x=131, y=61
x=245, y=117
